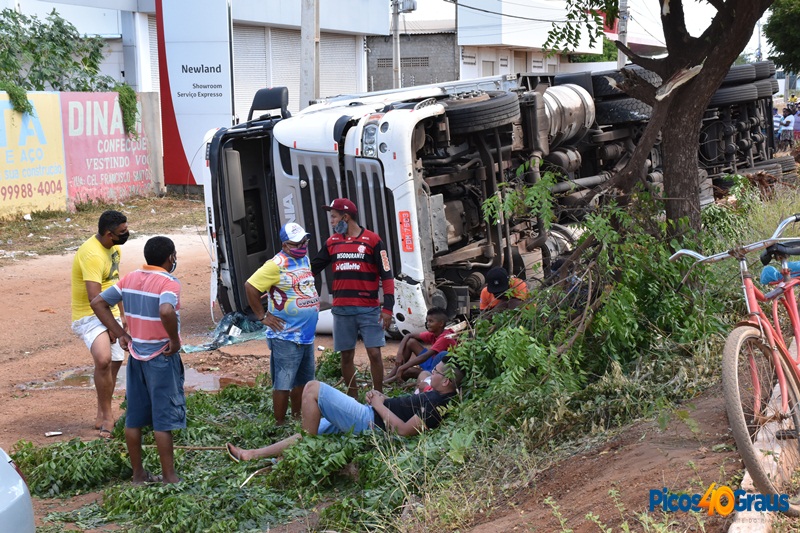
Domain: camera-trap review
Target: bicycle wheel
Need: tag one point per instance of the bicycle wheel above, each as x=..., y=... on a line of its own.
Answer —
x=767, y=439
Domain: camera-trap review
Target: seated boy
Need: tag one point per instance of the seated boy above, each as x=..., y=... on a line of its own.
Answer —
x=502, y=291
x=412, y=357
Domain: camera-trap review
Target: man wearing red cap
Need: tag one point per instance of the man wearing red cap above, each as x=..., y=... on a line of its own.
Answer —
x=360, y=265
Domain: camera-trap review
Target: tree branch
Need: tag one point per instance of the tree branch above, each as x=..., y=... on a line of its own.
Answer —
x=632, y=169
x=673, y=23
x=650, y=64
x=639, y=88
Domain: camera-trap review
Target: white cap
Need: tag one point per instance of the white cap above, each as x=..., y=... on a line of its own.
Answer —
x=293, y=232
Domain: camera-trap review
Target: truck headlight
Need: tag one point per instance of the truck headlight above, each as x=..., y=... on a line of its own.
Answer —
x=369, y=140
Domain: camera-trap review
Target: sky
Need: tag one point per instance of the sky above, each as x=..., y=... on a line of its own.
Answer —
x=644, y=13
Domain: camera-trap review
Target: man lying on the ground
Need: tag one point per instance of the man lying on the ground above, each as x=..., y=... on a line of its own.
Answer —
x=326, y=410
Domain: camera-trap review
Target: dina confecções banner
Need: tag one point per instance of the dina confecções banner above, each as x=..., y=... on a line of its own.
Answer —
x=102, y=162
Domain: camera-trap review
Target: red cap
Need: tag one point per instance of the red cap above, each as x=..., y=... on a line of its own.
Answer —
x=342, y=204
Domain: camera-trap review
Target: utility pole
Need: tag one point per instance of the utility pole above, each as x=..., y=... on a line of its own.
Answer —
x=623, y=32
x=396, y=44
x=758, y=51
x=309, y=52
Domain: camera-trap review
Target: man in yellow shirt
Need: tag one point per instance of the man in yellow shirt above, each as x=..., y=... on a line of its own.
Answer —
x=94, y=269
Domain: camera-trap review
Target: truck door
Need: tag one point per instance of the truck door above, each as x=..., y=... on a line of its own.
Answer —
x=248, y=211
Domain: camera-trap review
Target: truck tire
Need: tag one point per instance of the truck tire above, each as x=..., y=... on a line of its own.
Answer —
x=603, y=87
x=621, y=110
x=734, y=95
x=775, y=86
x=739, y=74
x=764, y=88
x=786, y=163
x=763, y=69
x=488, y=110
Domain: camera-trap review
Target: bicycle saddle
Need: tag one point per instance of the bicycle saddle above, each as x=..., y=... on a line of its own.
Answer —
x=781, y=248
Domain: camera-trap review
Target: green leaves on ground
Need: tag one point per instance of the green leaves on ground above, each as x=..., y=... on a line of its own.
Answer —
x=618, y=337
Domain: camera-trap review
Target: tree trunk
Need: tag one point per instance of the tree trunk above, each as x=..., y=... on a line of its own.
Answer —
x=681, y=137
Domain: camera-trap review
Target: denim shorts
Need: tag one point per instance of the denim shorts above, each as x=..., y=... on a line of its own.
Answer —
x=290, y=364
x=155, y=393
x=430, y=363
x=347, y=327
x=89, y=328
x=341, y=413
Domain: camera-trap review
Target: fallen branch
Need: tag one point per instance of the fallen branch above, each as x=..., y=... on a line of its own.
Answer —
x=191, y=448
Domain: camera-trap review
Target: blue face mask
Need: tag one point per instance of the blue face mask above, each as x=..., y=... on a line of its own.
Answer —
x=340, y=227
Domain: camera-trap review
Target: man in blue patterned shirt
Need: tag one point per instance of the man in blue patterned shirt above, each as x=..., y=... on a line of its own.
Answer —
x=291, y=319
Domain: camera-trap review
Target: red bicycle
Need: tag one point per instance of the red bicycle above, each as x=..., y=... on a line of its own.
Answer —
x=760, y=376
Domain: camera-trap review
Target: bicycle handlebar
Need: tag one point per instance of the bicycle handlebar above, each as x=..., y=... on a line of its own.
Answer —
x=741, y=250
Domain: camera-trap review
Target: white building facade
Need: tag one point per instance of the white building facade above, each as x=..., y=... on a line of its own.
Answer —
x=266, y=42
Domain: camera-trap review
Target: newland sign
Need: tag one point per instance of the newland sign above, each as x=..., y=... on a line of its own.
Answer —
x=73, y=149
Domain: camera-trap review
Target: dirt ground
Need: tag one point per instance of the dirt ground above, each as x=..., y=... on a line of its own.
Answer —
x=38, y=346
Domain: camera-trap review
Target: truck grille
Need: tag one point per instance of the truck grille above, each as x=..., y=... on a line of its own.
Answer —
x=363, y=185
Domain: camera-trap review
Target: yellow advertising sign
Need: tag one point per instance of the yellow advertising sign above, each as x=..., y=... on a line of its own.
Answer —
x=32, y=170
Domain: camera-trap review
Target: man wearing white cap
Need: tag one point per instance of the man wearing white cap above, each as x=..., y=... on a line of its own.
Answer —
x=291, y=319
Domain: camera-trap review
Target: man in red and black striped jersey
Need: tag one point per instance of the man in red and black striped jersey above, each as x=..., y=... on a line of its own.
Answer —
x=360, y=265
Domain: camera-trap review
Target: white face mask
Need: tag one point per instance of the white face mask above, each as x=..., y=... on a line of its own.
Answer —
x=174, y=265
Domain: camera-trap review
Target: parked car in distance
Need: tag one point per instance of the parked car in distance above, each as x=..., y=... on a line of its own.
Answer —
x=16, y=507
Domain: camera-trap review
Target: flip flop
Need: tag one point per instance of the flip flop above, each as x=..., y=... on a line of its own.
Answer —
x=105, y=433
x=149, y=479
x=233, y=456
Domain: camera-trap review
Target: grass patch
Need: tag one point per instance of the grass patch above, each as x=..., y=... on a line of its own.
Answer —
x=60, y=232
x=529, y=403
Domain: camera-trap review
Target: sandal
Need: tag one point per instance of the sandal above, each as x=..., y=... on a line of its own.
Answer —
x=105, y=433
x=234, y=457
x=150, y=478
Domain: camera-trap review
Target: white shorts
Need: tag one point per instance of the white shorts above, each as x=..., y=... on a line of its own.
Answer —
x=88, y=328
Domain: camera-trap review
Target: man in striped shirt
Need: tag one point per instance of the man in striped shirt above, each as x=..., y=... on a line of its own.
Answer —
x=151, y=296
x=360, y=265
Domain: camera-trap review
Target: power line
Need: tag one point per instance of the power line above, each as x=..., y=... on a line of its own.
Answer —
x=561, y=9
x=643, y=27
x=458, y=4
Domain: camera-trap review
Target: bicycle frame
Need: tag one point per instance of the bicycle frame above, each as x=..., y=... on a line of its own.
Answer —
x=756, y=317
x=770, y=329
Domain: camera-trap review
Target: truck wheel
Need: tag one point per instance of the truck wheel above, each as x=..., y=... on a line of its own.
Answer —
x=485, y=111
x=763, y=69
x=764, y=88
x=739, y=74
x=621, y=110
x=787, y=163
x=603, y=87
x=734, y=95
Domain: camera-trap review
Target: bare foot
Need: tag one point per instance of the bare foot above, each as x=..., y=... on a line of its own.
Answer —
x=236, y=454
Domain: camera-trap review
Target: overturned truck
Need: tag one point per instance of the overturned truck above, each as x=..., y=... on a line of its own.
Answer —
x=420, y=162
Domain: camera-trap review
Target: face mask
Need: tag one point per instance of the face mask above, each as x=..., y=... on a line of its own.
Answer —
x=121, y=239
x=299, y=252
x=340, y=227
x=174, y=265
